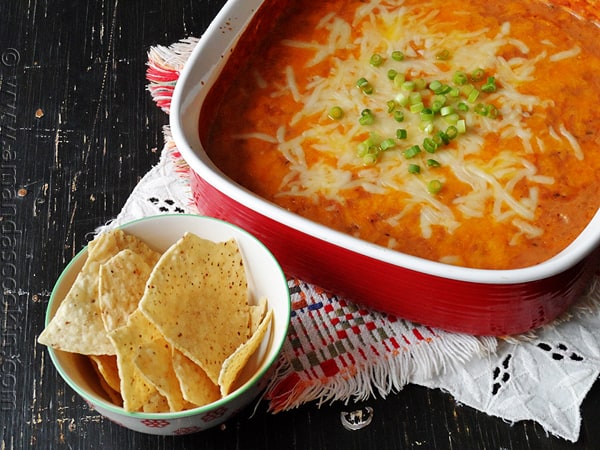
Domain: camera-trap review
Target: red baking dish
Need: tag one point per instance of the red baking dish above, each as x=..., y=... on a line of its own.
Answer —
x=475, y=301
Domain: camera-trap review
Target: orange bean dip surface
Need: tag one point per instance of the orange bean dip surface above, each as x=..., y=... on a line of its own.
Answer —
x=516, y=186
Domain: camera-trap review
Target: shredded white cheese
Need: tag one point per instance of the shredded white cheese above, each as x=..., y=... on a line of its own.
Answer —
x=383, y=27
x=566, y=54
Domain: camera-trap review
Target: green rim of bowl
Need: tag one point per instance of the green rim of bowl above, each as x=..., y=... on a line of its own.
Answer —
x=180, y=414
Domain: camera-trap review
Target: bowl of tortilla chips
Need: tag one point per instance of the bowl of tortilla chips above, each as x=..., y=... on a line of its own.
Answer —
x=170, y=324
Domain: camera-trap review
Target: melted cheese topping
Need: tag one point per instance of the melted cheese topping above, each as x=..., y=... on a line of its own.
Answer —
x=489, y=173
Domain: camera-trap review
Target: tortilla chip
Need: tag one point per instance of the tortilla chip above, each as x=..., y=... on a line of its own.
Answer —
x=154, y=361
x=113, y=396
x=106, y=367
x=197, y=297
x=196, y=387
x=236, y=362
x=156, y=403
x=77, y=326
x=257, y=313
x=127, y=341
x=121, y=285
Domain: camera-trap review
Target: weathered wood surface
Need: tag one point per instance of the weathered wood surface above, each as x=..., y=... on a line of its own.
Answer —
x=77, y=132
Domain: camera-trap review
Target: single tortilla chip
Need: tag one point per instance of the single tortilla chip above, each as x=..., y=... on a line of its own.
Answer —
x=235, y=363
x=154, y=361
x=121, y=286
x=77, y=326
x=106, y=367
x=156, y=403
x=113, y=396
x=197, y=295
x=196, y=387
x=257, y=314
x=127, y=341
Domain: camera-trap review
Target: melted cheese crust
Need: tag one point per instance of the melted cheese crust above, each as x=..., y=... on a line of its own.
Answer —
x=516, y=189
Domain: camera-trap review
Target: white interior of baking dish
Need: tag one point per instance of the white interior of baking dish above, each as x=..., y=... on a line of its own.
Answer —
x=201, y=70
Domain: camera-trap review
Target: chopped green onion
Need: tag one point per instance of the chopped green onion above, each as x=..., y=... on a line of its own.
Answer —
x=366, y=117
x=392, y=74
x=369, y=145
x=364, y=86
x=437, y=105
x=370, y=158
x=399, y=79
x=427, y=115
x=447, y=110
x=435, y=86
x=417, y=107
x=401, y=133
x=376, y=60
x=462, y=106
x=481, y=109
x=490, y=85
x=397, y=55
x=434, y=186
x=414, y=168
x=408, y=86
x=399, y=115
x=433, y=163
x=452, y=119
x=420, y=83
x=443, y=55
x=461, y=126
x=451, y=132
x=466, y=89
x=362, y=82
x=391, y=106
x=486, y=110
x=402, y=99
x=438, y=102
x=444, y=89
x=473, y=95
x=362, y=149
x=460, y=78
x=442, y=138
x=453, y=92
x=336, y=113
x=426, y=127
x=411, y=152
x=477, y=74
x=387, y=144
x=429, y=145
x=371, y=155
x=415, y=97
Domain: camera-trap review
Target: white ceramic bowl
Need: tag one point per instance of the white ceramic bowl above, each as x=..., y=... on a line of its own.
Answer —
x=265, y=278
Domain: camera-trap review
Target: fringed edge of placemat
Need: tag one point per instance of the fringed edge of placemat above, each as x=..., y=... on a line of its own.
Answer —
x=381, y=377
x=163, y=68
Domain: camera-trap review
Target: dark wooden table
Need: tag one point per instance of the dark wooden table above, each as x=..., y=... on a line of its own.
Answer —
x=77, y=132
